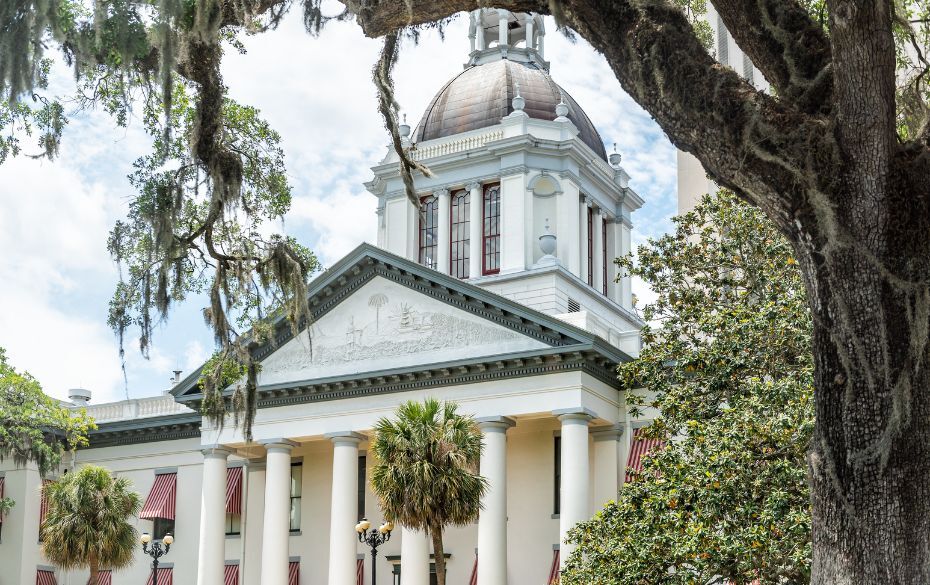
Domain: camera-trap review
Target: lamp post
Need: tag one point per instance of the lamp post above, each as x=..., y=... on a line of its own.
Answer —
x=156, y=551
x=373, y=538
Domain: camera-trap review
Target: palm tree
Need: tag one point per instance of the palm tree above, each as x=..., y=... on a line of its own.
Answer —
x=377, y=301
x=87, y=524
x=426, y=470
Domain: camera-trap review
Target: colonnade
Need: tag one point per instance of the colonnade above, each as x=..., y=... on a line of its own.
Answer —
x=492, y=522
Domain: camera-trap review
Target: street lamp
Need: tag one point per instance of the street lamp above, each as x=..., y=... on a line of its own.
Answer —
x=156, y=551
x=373, y=538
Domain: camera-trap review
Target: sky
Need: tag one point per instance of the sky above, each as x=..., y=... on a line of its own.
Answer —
x=56, y=277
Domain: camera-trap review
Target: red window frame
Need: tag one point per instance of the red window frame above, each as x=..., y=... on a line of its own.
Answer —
x=428, y=231
x=460, y=240
x=604, y=251
x=491, y=229
x=590, y=246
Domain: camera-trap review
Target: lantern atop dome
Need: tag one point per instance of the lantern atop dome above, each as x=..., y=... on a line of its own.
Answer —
x=497, y=34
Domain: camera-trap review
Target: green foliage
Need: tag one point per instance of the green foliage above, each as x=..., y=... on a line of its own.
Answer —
x=6, y=504
x=426, y=469
x=727, y=360
x=89, y=521
x=33, y=427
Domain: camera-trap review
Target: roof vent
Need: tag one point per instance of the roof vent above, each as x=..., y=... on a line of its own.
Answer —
x=79, y=396
x=573, y=306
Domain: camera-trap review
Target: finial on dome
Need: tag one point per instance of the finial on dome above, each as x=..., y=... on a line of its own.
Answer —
x=615, y=157
x=518, y=102
x=404, y=128
x=561, y=109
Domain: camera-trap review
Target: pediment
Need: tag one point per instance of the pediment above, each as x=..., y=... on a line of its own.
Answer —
x=384, y=325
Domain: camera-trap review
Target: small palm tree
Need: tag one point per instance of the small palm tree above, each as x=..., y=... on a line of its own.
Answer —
x=87, y=524
x=426, y=470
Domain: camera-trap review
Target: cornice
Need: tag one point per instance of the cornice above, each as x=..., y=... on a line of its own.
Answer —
x=146, y=430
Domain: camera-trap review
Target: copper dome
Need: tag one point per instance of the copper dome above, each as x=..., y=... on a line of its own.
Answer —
x=481, y=95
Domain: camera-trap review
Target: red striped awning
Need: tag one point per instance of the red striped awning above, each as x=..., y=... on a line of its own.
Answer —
x=293, y=573
x=474, y=573
x=231, y=575
x=640, y=447
x=45, y=578
x=43, y=505
x=165, y=576
x=161, y=500
x=104, y=578
x=234, y=490
x=360, y=572
x=554, y=570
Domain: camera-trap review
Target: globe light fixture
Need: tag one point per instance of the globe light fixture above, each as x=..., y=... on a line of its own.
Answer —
x=156, y=551
x=374, y=538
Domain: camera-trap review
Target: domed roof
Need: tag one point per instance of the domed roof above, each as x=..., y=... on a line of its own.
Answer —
x=481, y=95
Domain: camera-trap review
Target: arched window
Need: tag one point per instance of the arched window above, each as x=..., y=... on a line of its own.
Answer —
x=460, y=240
x=429, y=230
x=491, y=232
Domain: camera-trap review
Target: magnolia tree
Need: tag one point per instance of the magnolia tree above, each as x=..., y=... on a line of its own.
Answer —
x=727, y=359
x=837, y=156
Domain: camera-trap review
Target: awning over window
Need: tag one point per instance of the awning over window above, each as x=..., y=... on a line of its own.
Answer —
x=640, y=447
x=474, y=573
x=231, y=576
x=360, y=572
x=161, y=500
x=554, y=570
x=104, y=578
x=43, y=503
x=234, y=491
x=165, y=576
x=293, y=573
x=45, y=578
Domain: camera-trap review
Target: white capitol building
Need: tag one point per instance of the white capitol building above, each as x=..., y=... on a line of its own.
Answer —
x=499, y=293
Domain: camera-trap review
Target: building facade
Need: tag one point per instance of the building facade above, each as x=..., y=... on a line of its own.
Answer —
x=497, y=291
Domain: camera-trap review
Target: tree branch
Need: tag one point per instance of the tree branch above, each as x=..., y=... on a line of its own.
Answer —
x=787, y=46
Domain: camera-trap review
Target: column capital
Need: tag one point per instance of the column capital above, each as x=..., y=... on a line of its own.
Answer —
x=608, y=433
x=473, y=185
x=577, y=415
x=216, y=451
x=345, y=437
x=278, y=444
x=490, y=424
x=440, y=193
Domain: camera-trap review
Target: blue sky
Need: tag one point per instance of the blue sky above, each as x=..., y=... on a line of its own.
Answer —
x=55, y=216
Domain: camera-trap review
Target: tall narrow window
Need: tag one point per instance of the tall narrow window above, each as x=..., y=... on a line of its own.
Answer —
x=362, y=479
x=557, y=500
x=604, y=253
x=460, y=241
x=429, y=230
x=590, y=246
x=491, y=233
x=296, y=488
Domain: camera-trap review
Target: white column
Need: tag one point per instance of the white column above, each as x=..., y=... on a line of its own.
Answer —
x=502, y=29
x=598, y=228
x=479, y=33
x=414, y=557
x=212, y=518
x=575, y=489
x=444, y=230
x=529, y=32
x=492, y=521
x=606, y=463
x=475, y=229
x=276, y=527
x=344, y=508
x=625, y=287
x=585, y=202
